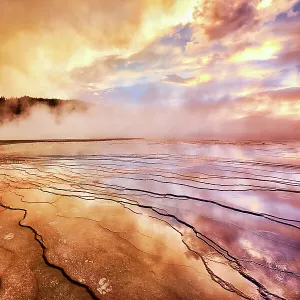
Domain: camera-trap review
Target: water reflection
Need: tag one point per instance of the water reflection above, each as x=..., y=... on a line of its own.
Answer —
x=144, y=220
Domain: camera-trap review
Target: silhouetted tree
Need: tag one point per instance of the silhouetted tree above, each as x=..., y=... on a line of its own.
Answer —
x=53, y=102
x=18, y=108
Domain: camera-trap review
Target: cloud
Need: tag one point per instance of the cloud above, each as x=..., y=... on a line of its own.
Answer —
x=289, y=34
x=41, y=46
x=61, y=50
x=220, y=18
x=228, y=23
x=174, y=78
x=266, y=51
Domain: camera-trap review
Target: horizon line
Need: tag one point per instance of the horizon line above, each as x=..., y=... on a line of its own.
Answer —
x=195, y=140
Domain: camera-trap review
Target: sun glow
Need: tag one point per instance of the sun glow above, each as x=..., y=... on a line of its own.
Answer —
x=267, y=51
x=264, y=4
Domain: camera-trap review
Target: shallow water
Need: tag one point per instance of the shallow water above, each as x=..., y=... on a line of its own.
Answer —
x=150, y=220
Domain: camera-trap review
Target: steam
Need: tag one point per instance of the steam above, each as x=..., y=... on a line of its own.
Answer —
x=263, y=117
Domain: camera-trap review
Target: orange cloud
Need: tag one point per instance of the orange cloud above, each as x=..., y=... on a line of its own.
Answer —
x=40, y=46
x=174, y=78
x=267, y=50
x=220, y=18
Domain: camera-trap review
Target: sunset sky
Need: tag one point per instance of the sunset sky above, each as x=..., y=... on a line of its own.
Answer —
x=235, y=57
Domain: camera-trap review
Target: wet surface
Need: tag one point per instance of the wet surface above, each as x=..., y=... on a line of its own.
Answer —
x=149, y=220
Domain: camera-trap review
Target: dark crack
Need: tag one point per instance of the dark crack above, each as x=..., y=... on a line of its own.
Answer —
x=40, y=241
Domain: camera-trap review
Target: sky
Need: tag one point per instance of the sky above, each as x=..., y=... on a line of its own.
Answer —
x=208, y=62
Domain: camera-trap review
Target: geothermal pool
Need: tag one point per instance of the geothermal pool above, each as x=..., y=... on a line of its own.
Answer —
x=149, y=220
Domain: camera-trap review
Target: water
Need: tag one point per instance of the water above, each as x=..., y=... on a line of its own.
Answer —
x=150, y=220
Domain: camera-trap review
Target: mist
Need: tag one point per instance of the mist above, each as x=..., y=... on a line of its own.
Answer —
x=231, y=120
